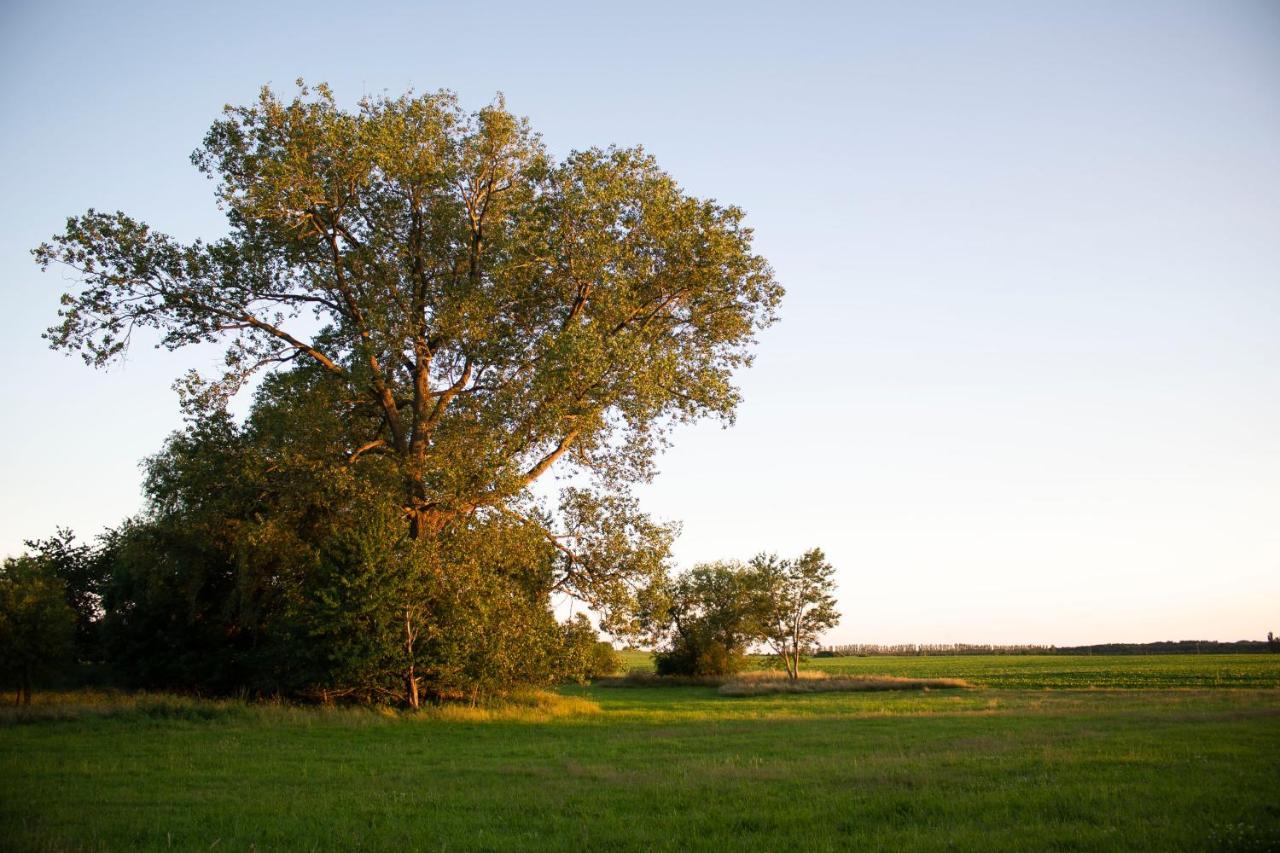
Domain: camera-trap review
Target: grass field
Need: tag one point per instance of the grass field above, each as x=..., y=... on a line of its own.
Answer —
x=1038, y=672
x=1023, y=768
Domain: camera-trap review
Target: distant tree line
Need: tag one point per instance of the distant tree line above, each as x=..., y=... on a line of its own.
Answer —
x=1167, y=647
x=872, y=649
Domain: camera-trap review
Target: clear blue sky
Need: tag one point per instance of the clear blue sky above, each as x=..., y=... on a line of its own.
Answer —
x=1027, y=382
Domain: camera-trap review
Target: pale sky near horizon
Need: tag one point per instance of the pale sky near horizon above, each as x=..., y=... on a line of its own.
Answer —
x=1026, y=386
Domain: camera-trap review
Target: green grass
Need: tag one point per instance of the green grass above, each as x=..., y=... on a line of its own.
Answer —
x=660, y=768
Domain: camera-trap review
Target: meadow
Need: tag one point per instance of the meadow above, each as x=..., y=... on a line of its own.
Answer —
x=1144, y=753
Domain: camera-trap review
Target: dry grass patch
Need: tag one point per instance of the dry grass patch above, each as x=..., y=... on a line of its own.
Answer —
x=771, y=676
x=821, y=683
x=86, y=704
x=758, y=677
x=532, y=706
x=524, y=705
x=645, y=678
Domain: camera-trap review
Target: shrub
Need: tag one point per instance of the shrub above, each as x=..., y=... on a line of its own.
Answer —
x=697, y=654
x=584, y=656
x=605, y=660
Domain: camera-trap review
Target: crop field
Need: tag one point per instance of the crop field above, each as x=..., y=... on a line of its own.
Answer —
x=1067, y=671
x=1013, y=764
x=1036, y=672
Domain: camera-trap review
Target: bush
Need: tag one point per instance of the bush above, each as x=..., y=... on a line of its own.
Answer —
x=699, y=655
x=605, y=660
x=585, y=657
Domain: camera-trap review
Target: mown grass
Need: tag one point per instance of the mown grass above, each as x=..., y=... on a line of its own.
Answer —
x=655, y=768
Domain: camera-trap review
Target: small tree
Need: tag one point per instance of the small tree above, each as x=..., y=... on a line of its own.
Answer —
x=711, y=619
x=36, y=625
x=795, y=603
x=84, y=572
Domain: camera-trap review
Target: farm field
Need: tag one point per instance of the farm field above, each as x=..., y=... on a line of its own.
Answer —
x=669, y=768
x=1055, y=671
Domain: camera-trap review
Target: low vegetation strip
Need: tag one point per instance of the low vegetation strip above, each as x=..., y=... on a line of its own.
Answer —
x=854, y=684
x=647, y=678
x=84, y=706
x=765, y=682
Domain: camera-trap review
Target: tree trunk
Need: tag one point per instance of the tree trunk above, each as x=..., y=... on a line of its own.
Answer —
x=417, y=525
x=795, y=643
x=412, y=683
x=785, y=654
x=428, y=522
x=411, y=677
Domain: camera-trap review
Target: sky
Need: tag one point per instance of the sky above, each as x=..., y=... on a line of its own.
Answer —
x=1026, y=385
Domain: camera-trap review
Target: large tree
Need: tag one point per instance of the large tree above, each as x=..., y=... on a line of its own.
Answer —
x=464, y=313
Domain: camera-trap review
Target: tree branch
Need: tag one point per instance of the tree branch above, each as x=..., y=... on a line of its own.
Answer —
x=541, y=466
x=376, y=444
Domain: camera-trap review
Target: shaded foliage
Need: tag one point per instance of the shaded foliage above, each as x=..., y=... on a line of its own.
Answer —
x=37, y=626
x=238, y=578
x=84, y=571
